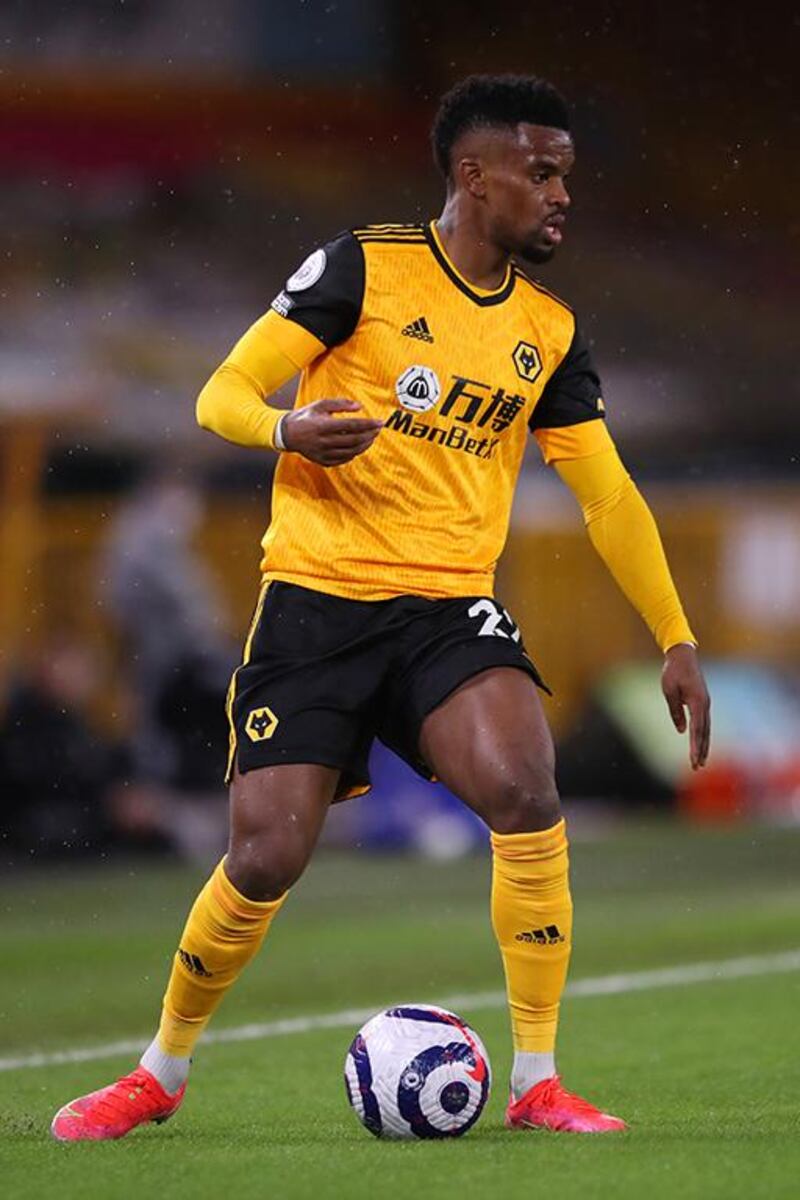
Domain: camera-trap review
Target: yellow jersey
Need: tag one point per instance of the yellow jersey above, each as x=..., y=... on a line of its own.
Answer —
x=459, y=375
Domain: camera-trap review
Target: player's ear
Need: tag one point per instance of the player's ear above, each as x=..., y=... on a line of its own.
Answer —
x=469, y=173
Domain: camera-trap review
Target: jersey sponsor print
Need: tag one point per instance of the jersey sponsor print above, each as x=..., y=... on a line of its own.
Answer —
x=458, y=387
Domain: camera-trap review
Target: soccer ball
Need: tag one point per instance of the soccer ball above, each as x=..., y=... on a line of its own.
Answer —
x=417, y=1071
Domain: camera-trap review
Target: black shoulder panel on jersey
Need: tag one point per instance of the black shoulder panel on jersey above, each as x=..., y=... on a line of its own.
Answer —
x=572, y=392
x=326, y=292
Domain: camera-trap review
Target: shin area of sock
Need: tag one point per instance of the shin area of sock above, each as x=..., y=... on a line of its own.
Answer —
x=532, y=919
x=223, y=932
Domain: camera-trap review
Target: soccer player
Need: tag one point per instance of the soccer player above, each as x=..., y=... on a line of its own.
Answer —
x=425, y=355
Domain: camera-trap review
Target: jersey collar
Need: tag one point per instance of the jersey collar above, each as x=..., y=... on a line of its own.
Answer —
x=478, y=295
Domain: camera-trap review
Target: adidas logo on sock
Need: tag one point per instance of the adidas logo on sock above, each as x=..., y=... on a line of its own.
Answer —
x=193, y=963
x=549, y=936
x=418, y=329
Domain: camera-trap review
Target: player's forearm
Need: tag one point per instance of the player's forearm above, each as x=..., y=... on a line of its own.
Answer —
x=624, y=533
x=266, y=357
x=626, y=538
x=232, y=406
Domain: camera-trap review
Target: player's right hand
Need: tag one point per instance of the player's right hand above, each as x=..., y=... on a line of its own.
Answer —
x=319, y=435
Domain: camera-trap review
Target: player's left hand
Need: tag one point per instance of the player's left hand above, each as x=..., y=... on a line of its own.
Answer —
x=684, y=687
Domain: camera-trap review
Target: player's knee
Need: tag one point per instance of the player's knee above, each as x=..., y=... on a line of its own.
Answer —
x=264, y=867
x=524, y=803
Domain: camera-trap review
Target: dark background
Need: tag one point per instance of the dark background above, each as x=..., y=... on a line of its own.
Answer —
x=166, y=164
x=181, y=158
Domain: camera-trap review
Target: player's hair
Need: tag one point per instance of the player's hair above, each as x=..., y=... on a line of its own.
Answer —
x=494, y=101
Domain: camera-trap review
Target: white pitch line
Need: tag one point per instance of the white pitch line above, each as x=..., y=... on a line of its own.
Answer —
x=598, y=985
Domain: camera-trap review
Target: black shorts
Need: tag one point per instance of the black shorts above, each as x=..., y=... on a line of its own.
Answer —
x=322, y=676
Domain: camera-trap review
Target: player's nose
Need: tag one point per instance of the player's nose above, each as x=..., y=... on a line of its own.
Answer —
x=558, y=194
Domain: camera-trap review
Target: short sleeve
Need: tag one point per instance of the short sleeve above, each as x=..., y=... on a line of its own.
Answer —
x=325, y=293
x=573, y=393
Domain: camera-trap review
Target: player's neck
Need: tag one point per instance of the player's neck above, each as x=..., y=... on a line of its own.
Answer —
x=468, y=247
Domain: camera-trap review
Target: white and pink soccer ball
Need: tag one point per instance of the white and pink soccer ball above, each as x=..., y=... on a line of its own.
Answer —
x=417, y=1071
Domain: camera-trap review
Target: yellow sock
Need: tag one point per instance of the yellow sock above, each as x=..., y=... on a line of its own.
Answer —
x=223, y=932
x=532, y=919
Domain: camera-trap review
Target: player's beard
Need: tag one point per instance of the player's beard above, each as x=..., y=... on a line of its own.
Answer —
x=536, y=253
x=533, y=246
x=536, y=248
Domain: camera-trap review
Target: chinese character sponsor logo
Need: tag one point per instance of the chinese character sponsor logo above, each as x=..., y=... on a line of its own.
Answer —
x=474, y=402
x=473, y=411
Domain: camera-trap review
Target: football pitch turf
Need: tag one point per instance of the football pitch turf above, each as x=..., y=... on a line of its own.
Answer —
x=707, y=1073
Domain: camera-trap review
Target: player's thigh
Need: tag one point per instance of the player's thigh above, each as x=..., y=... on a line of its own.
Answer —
x=308, y=687
x=276, y=815
x=489, y=742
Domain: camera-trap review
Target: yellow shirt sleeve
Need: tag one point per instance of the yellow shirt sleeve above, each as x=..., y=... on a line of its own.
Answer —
x=268, y=355
x=573, y=441
x=624, y=533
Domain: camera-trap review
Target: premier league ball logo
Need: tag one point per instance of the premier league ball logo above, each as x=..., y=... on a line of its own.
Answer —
x=418, y=389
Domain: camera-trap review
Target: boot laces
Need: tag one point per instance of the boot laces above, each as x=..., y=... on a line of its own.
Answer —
x=123, y=1098
x=553, y=1092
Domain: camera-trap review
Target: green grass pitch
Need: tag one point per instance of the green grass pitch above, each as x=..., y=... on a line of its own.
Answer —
x=708, y=1074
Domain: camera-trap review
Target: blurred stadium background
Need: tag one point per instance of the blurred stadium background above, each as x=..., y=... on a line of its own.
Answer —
x=165, y=165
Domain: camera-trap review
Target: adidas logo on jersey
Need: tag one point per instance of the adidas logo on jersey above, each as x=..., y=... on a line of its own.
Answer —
x=418, y=329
